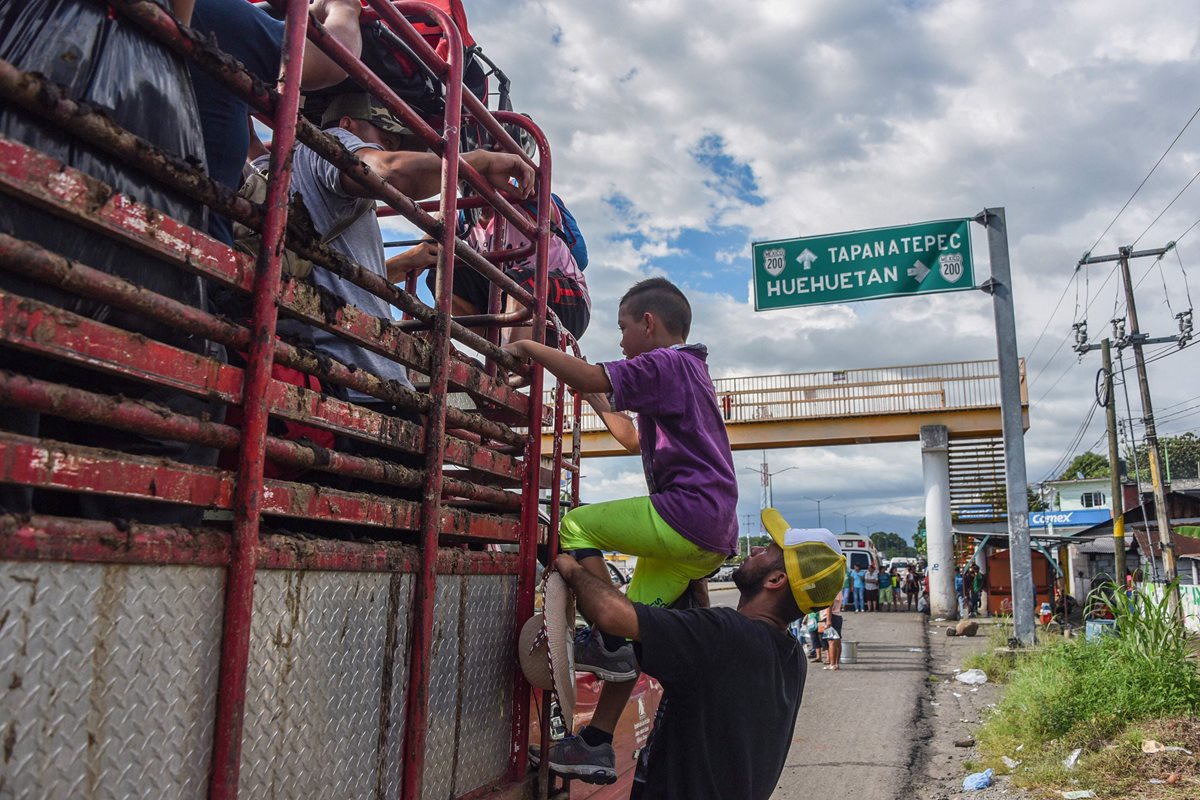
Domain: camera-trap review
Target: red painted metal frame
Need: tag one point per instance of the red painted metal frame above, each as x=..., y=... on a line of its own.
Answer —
x=43, y=537
x=47, y=538
x=425, y=586
x=248, y=499
x=529, y=515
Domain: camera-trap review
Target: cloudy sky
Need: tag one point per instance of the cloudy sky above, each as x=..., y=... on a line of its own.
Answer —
x=684, y=131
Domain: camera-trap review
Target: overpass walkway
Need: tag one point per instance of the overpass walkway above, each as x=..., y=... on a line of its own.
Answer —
x=839, y=407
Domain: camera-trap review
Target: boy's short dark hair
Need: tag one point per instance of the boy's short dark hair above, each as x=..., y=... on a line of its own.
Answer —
x=663, y=299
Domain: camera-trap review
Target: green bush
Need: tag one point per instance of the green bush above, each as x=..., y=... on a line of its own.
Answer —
x=1074, y=693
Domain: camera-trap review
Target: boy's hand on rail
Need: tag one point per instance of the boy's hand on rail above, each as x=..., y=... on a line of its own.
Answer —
x=501, y=169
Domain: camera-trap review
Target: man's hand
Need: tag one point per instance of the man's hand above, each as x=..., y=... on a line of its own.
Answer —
x=414, y=260
x=599, y=600
x=566, y=566
x=501, y=168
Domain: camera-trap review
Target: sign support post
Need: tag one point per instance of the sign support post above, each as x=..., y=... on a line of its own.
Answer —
x=999, y=286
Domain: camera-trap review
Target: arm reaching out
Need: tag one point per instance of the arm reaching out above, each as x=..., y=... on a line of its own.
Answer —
x=607, y=608
x=574, y=372
x=419, y=175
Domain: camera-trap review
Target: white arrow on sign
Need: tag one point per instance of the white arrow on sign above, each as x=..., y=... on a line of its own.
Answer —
x=806, y=258
x=918, y=271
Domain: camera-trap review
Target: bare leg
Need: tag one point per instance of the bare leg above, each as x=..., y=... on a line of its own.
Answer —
x=613, y=698
x=835, y=653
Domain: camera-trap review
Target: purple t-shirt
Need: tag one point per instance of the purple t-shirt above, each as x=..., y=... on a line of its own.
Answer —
x=685, y=450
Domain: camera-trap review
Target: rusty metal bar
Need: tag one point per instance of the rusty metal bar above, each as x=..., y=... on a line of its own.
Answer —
x=148, y=419
x=365, y=78
x=35, y=262
x=76, y=468
x=47, y=538
x=527, y=576
x=42, y=98
x=420, y=654
x=248, y=498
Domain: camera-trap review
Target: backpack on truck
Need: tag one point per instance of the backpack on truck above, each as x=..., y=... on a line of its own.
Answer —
x=566, y=229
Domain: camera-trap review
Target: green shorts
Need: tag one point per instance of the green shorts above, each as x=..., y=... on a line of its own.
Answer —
x=885, y=594
x=666, y=561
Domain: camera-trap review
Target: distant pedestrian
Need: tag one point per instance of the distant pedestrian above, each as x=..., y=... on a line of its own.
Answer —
x=858, y=579
x=885, y=590
x=871, y=581
x=911, y=589
x=975, y=588
x=832, y=618
x=894, y=579
x=847, y=588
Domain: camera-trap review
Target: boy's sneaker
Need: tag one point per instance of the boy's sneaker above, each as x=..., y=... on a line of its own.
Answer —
x=610, y=665
x=572, y=757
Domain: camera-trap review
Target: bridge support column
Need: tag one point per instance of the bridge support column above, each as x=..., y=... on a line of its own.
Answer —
x=939, y=537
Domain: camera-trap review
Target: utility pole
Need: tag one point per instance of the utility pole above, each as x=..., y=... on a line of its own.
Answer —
x=818, y=501
x=1136, y=339
x=1114, y=464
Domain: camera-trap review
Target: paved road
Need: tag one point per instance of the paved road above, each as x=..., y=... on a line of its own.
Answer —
x=855, y=735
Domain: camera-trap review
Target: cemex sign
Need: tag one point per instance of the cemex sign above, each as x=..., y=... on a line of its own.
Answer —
x=925, y=258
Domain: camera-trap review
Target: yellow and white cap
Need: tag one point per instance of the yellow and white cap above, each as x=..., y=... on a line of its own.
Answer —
x=816, y=568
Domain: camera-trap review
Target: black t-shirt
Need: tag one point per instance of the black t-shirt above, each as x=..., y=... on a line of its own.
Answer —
x=732, y=689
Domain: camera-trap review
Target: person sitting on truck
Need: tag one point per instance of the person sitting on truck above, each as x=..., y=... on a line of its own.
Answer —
x=687, y=527
x=732, y=679
x=567, y=293
x=255, y=38
x=370, y=132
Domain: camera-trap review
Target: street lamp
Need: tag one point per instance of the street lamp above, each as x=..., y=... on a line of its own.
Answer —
x=818, y=502
x=845, y=524
x=766, y=479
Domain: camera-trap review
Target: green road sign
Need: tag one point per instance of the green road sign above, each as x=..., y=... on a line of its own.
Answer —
x=925, y=258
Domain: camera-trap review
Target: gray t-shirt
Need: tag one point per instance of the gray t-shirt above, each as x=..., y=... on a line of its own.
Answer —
x=319, y=183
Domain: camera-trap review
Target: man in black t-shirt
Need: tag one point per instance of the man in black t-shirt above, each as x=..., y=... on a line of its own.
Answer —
x=733, y=679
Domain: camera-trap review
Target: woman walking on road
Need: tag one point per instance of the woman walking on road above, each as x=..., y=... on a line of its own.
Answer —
x=832, y=617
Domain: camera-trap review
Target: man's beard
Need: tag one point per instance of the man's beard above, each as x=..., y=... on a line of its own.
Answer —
x=748, y=581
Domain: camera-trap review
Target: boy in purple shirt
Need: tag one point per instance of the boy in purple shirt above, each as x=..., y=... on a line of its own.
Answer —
x=685, y=529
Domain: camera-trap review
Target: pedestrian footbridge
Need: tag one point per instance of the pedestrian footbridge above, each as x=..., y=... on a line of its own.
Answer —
x=840, y=407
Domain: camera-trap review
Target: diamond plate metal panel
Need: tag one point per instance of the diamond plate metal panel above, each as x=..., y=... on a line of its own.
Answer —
x=488, y=662
x=316, y=689
x=109, y=674
x=444, y=683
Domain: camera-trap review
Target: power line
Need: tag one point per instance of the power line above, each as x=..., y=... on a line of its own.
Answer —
x=1143, y=183
x=1168, y=206
x=1073, y=279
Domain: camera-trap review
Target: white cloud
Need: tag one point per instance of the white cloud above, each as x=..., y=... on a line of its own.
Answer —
x=856, y=115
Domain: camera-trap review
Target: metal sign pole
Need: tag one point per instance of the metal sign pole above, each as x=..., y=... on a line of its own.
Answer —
x=999, y=286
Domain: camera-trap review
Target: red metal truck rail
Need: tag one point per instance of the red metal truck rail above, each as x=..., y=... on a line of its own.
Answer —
x=345, y=629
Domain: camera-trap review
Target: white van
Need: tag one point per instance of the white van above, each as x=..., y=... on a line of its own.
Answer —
x=860, y=552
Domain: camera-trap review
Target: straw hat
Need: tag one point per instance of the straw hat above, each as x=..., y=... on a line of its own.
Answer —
x=546, y=647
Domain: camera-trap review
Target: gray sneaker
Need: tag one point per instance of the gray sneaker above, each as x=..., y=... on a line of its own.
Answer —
x=572, y=757
x=610, y=665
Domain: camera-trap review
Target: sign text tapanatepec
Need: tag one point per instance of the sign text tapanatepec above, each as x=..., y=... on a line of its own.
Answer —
x=924, y=258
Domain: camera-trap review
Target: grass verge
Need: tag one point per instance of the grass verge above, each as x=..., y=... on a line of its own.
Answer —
x=1104, y=698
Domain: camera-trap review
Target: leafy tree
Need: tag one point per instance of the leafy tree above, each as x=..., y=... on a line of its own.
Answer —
x=919, y=539
x=1181, y=452
x=892, y=545
x=1085, y=465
